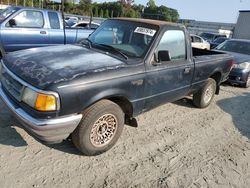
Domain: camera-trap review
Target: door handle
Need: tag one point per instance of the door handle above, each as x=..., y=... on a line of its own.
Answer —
x=187, y=70
x=43, y=32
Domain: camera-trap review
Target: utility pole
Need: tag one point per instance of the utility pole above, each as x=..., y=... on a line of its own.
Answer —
x=62, y=3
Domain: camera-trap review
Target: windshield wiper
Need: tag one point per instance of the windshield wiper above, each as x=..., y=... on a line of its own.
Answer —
x=113, y=49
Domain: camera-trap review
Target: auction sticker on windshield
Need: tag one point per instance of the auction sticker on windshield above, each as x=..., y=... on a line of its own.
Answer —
x=145, y=31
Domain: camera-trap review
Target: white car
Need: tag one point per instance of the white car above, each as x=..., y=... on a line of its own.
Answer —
x=85, y=24
x=198, y=42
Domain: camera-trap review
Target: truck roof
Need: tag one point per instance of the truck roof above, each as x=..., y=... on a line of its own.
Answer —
x=149, y=21
x=21, y=7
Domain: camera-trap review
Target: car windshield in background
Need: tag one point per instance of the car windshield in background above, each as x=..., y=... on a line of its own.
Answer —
x=235, y=46
x=220, y=40
x=208, y=36
x=131, y=38
x=7, y=12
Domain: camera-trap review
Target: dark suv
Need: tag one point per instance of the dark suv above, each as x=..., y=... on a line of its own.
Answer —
x=210, y=37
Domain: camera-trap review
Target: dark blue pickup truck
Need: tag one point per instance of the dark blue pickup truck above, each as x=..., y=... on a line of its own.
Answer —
x=90, y=90
x=24, y=27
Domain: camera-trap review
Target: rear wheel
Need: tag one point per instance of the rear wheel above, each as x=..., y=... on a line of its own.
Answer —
x=247, y=84
x=204, y=96
x=100, y=128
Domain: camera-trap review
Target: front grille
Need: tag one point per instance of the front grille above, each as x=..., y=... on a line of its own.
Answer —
x=11, y=85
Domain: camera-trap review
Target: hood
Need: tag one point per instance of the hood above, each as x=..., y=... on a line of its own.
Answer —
x=238, y=58
x=41, y=67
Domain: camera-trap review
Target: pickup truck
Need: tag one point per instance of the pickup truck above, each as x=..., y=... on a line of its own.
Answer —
x=90, y=90
x=24, y=27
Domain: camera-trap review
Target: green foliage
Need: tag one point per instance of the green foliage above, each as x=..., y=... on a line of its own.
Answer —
x=101, y=13
x=160, y=13
x=151, y=4
x=119, y=8
x=106, y=14
x=96, y=12
x=112, y=14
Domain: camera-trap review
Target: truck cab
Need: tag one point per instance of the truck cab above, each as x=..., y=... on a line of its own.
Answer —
x=24, y=27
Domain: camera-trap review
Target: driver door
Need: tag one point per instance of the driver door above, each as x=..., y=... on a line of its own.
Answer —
x=27, y=29
x=169, y=80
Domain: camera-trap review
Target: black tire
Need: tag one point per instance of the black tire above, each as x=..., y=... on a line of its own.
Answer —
x=201, y=99
x=247, y=84
x=84, y=138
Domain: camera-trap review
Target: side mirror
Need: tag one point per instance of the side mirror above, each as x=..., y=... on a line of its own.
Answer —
x=12, y=22
x=164, y=55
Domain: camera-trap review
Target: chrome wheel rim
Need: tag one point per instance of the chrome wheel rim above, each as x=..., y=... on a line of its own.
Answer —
x=103, y=130
x=208, y=94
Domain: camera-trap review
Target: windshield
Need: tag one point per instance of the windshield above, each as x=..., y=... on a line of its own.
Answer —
x=241, y=47
x=220, y=40
x=133, y=39
x=7, y=12
x=208, y=36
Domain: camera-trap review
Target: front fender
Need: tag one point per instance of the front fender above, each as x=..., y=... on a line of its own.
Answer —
x=107, y=94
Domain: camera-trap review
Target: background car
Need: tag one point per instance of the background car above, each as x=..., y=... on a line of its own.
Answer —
x=70, y=21
x=85, y=24
x=210, y=37
x=218, y=41
x=198, y=42
x=240, y=49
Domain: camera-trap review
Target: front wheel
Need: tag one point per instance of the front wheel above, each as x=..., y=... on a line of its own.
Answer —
x=100, y=128
x=204, y=96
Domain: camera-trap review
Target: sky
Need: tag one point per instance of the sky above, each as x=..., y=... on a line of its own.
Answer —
x=203, y=10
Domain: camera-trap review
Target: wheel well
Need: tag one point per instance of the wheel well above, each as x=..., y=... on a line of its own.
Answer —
x=217, y=77
x=125, y=105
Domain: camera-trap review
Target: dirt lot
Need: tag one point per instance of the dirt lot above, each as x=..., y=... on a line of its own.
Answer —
x=175, y=145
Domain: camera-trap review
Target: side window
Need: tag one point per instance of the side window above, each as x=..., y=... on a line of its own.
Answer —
x=82, y=25
x=174, y=42
x=54, y=20
x=198, y=39
x=192, y=39
x=29, y=19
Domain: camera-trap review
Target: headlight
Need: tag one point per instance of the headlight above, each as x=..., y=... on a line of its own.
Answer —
x=39, y=101
x=244, y=65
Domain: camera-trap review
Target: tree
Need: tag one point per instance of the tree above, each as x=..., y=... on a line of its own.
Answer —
x=151, y=4
x=96, y=13
x=84, y=6
x=130, y=2
x=106, y=15
x=101, y=13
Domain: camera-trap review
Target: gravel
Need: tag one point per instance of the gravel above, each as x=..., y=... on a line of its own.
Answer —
x=175, y=145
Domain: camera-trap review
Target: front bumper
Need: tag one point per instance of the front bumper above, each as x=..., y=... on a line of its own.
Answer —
x=49, y=130
x=238, y=76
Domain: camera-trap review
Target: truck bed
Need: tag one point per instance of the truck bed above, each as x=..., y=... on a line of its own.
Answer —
x=201, y=52
x=207, y=63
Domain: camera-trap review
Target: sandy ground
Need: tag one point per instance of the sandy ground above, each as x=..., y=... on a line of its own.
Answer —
x=175, y=145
